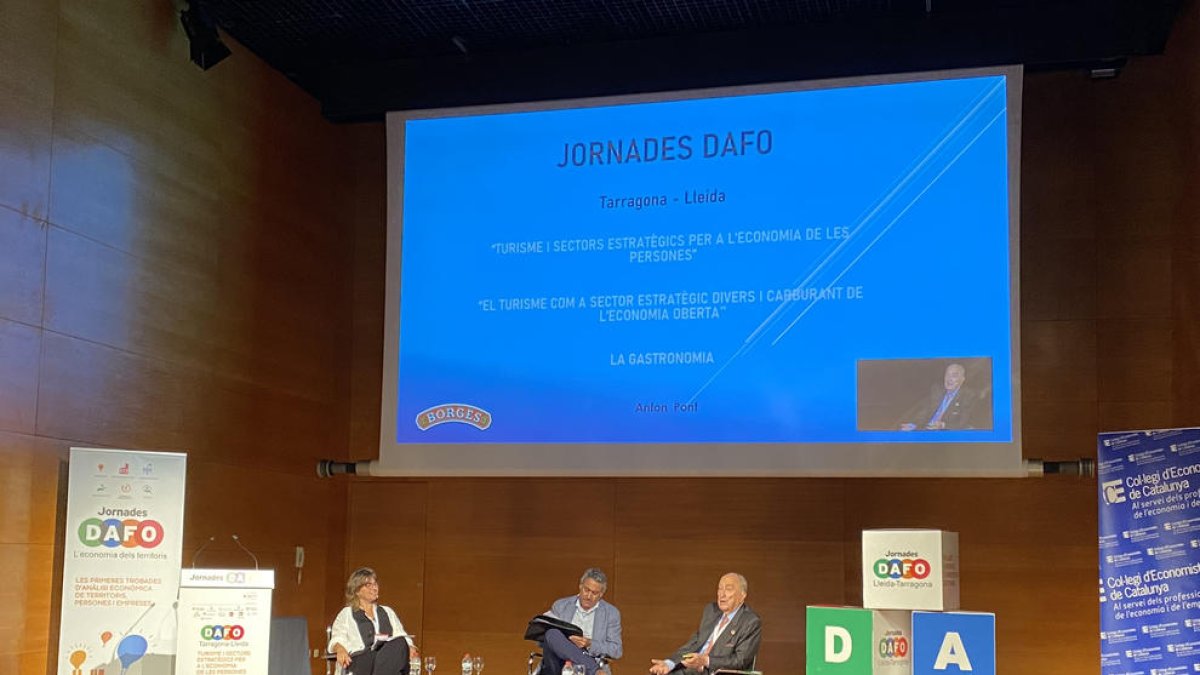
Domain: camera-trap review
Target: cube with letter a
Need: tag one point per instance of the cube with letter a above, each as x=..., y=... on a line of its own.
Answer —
x=953, y=642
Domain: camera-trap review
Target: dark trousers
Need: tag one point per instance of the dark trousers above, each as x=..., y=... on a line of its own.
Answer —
x=557, y=650
x=391, y=659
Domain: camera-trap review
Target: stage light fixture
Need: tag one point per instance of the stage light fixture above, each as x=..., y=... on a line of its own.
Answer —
x=207, y=50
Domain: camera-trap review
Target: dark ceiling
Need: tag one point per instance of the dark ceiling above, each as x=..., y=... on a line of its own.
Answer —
x=361, y=58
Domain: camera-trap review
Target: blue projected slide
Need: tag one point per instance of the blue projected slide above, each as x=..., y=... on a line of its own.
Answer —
x=827, y=266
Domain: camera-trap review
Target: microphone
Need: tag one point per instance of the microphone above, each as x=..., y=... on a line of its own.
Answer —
x=243, y=547
x=196, y=555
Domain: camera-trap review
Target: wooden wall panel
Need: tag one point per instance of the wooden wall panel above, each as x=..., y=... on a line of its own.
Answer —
x=134, y=206
x=29, y=492
x=1058, y=190
x=97, y=394
x=1185, y=268
x=20, y=348
x=1058, y=361
x=122, y=77
x=272, y=513
x=369, y=264
x=29, y=488
x=676, y=538
x=174, y=274
x=498, y=552
x=22, y=266
x=256, y=425
x=29, y=586
x=1136, y=354
x=385, y=530
x=1134, y=279
x=1059, y=271
x=1058, y=279
x=1186, y=327
x=336, y=555
x=27, y=46
x=113, y=298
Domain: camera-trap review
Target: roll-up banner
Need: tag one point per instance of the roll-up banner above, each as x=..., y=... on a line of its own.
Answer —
x=121, y=563
x=1149, y=500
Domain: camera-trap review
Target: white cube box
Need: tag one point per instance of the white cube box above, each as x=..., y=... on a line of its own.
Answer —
x=910, y=569
x=892, y=637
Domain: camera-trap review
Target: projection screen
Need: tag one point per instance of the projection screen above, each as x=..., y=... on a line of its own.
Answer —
x=814, y=278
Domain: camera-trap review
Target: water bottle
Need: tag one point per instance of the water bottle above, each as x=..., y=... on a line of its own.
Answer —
x=568, y=669
x=466, y=664
x=414, y=664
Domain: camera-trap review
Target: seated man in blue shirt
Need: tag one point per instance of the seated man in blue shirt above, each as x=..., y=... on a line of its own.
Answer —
x=600, y=622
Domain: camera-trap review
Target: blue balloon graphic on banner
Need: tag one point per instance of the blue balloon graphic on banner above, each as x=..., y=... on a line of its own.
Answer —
x=131, y=648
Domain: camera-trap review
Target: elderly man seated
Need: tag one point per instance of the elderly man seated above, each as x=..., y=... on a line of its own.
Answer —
x=727, y=638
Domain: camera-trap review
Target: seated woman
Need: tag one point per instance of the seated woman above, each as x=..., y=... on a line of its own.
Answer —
x=364, y=634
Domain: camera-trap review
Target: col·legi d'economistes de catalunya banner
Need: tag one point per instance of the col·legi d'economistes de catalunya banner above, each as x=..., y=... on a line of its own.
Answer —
x=121, y=563
x=1149, y=500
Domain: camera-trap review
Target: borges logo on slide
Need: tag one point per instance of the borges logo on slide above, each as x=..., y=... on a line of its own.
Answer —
x=462, y=413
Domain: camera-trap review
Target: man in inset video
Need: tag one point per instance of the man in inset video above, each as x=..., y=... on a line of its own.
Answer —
x=950, y=406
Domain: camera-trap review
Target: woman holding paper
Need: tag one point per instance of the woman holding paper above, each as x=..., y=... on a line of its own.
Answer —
x=364, y=634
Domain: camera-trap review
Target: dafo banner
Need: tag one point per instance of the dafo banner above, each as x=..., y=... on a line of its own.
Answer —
x=121, y=562
x=1149, y=485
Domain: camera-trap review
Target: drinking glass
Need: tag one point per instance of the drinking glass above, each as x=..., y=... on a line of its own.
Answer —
x=430, y=664
x=477, y=665
x=579, y=669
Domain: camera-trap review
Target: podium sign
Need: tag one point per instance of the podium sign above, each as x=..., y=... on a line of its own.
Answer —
x=224, y=621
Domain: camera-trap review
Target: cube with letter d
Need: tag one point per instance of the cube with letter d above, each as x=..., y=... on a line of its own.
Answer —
x=838, y=641
x=853, y=641
x=953, y=642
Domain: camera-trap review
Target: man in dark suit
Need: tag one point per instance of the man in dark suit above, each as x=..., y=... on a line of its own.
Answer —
x=950, y=406
x=727, y=638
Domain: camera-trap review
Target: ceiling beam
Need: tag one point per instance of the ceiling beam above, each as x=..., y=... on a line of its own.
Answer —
x=1040, y=35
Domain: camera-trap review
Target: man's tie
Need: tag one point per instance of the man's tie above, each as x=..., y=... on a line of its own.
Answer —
x=937, y=415
x=713, y=638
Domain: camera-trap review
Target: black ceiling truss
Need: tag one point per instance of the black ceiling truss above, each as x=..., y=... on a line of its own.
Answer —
x=361, y=58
